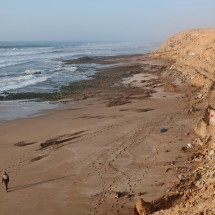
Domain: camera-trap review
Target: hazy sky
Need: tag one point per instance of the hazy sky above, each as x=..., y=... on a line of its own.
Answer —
x=103, y=20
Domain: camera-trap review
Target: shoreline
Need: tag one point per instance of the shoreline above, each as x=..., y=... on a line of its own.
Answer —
x=20, y=109
x=101, y=153
x=67, y=90
x=103, y=80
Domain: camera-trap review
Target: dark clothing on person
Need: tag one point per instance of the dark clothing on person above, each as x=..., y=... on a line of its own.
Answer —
x=5, y=179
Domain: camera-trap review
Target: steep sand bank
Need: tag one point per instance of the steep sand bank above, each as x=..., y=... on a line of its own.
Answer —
x=192, y=53
x=99, y=155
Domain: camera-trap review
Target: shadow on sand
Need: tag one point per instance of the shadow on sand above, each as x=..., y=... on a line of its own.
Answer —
x=20, y=187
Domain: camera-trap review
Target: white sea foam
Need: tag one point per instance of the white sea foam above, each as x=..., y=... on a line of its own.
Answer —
x=11, y=83
x=71, y=69
x=8, y=64
x=31, y=71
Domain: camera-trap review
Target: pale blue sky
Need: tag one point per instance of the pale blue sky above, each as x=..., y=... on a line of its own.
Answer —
x=103, y=20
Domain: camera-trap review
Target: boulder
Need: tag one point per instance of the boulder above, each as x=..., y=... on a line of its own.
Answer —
x=143, y=208
x=201, y=128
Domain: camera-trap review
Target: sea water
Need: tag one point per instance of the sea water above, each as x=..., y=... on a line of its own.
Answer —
x=38, y=66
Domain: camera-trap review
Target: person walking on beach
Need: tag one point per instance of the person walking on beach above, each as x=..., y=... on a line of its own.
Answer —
x=5, y=179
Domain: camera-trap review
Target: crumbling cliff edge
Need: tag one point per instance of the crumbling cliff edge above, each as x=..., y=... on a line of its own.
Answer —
x=193, y=54
x=193, y=60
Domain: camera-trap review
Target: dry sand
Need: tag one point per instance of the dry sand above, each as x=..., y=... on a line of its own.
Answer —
x=98, y=151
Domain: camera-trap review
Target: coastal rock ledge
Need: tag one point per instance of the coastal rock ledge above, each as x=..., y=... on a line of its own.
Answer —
x=193, y=54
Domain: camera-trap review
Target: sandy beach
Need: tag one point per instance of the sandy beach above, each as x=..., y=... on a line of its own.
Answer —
x=93, y=156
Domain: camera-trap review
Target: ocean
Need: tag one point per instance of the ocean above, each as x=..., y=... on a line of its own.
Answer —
x=38, y=67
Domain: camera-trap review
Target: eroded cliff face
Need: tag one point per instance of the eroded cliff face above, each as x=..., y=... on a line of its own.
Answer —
x=193, y=53
x=193, y=56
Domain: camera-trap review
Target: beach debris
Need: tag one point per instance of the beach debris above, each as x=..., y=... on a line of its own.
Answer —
x=163, y=130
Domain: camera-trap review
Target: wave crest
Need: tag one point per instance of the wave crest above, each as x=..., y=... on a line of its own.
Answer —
x=12, y=83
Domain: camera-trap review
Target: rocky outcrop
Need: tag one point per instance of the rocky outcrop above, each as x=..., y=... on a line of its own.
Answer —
x=193, y=54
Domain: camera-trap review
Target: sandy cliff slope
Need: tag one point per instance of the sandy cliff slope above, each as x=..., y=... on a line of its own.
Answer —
x=193, y=53
x=193, y=56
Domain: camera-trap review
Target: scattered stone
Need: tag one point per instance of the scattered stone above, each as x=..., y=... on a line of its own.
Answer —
x=189, y=146
x=118, y=195
x=168, y=169
x=212, y=152
x=181, y=177
x=192, y=110
x=163, y=130
x=181, y=193
x=172, y=163
x=184, y=148
x=140, y=194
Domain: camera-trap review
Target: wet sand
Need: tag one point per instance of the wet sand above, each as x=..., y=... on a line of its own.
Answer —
x=97, y=156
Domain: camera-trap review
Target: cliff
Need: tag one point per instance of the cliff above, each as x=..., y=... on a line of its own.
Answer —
x=193, y=54
x=193, y=59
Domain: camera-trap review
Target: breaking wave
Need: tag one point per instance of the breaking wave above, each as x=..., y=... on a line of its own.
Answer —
x=12, y=83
